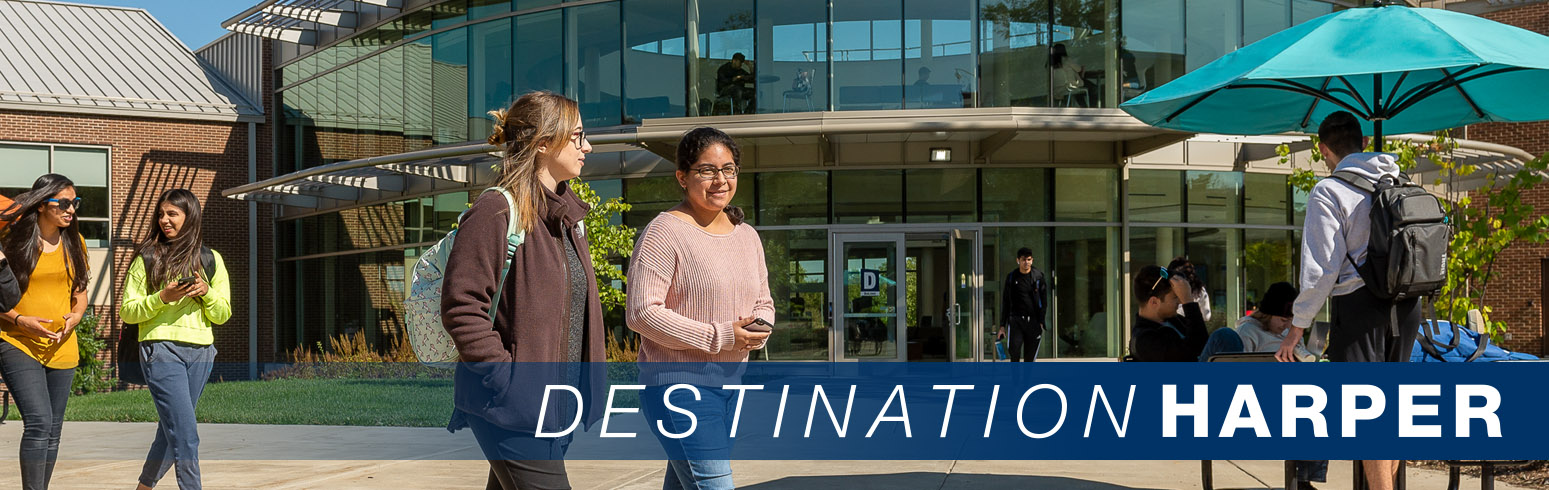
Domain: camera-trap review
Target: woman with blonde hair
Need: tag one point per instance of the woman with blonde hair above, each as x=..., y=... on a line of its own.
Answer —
x=547, y=308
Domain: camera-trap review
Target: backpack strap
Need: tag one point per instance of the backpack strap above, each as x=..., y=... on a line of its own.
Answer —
x=514, y=237
x=207, y=259
x=1356, y=180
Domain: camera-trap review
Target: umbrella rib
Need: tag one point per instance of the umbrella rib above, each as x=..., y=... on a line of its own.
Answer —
x=1300, y=89
x=1191, y=104
x=1396, y=85
x=1439, y=86
x=1427, y=86
x=1308, y=117
x=1357, y=95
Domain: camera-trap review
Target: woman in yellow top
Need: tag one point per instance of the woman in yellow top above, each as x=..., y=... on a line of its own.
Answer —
x=38, y=354
x=177, y=296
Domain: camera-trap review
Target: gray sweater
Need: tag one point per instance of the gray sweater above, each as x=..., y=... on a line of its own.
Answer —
x=1338, y=224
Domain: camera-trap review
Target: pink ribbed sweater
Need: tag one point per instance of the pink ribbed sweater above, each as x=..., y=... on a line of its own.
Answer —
x=688, y=286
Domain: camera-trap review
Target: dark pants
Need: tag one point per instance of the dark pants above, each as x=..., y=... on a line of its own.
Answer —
x=520, y=461
x=1362, y=330
x=176, y=373
x=41, y=394
x=1026, y=335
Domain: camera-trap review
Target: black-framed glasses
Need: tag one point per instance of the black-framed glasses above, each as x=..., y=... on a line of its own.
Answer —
x=1160, y=278
x=66, y=205
x=706, y=172
x=578, y=137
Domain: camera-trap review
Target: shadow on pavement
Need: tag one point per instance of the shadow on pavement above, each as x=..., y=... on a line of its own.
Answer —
x=932, y=480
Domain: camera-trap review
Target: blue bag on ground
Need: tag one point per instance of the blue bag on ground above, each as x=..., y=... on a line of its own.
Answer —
x=1443, y=341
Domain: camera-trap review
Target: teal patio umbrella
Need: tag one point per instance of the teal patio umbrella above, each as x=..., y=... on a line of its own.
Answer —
x=1399, y=69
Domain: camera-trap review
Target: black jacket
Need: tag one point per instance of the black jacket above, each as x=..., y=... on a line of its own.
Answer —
x=1180, y=341
x=10, y=292
x=1011, y=292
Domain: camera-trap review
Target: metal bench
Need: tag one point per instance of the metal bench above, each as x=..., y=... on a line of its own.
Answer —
x=1486, y=471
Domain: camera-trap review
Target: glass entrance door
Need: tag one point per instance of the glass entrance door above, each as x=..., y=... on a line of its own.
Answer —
x=869, y=319
x=967, y=282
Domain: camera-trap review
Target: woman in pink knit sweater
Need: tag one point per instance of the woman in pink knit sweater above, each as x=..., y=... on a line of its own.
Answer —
x=697, y=283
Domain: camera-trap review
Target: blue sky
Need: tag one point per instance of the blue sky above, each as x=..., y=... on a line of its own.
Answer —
x=194, y=23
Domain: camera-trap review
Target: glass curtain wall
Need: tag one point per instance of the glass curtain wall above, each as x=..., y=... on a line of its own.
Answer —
x=792, y=45
x=655, y=59
x=392, y=88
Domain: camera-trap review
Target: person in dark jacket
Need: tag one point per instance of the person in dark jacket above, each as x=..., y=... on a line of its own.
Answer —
x=1023, y=305
x=548, y=311
x=10, y=293
x=1159, y=334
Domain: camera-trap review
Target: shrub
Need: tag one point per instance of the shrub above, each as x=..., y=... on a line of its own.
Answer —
x=92, y=374
x=351, y=357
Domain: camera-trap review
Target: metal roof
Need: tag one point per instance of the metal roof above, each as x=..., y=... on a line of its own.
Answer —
x=62, y=57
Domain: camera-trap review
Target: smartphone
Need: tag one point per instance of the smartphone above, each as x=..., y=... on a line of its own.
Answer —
x=187, y=280
x=759, y=325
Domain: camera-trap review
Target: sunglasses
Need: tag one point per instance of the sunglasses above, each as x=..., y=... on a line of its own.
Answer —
x=1159, y=279
x=66, y=205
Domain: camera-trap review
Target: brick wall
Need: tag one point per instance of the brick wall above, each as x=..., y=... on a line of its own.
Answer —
x=150, y=156
x=1516, y=295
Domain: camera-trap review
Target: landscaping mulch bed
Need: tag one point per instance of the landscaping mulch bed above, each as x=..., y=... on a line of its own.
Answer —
x=1534, y=474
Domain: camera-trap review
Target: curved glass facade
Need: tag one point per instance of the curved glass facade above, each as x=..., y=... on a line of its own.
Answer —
x=428, y=77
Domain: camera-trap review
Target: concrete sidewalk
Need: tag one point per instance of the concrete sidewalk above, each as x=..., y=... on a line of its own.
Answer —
x=108, y=455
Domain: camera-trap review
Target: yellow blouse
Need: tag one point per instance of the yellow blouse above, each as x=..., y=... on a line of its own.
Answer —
x=48, y=297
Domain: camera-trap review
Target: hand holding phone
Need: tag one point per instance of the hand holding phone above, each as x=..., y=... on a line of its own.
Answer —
x=759, y=325
x=187, y=281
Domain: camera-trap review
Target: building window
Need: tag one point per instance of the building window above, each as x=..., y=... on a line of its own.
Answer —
x=86, y=167
x=655, y=59
x=592, y=43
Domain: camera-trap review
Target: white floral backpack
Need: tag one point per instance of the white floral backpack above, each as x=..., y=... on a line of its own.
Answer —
x=429, y=338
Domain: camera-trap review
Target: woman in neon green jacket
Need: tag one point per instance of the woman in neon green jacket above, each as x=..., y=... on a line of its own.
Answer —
x=177, y=291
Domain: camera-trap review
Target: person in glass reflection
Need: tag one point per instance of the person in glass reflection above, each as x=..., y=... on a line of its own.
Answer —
x=731, y=82
x=1023, y=303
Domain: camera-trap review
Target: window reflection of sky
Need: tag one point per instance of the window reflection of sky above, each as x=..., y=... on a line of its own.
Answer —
x=852, y=40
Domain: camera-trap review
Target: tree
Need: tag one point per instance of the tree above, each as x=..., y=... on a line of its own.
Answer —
x=608, y=241
x=1481, y=229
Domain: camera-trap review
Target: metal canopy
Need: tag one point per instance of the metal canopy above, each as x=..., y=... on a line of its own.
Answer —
x=647, y=149
x=297, y=21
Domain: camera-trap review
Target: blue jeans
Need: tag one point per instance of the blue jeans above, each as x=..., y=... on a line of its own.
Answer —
x=176, y=373
x=701, y=461
x=41, y=393
x=1224, y=340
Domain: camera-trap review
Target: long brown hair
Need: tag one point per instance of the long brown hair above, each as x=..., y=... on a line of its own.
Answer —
x=21, y=237
x=535, y=120
x=173, y=258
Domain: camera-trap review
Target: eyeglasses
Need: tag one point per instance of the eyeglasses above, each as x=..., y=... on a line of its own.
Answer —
x=707, y=172
x=1159, y=279
x=66, y=205
x=578, y=137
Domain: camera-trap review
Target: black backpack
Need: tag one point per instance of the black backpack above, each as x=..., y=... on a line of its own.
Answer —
x=129, y=369
x=1406, y=256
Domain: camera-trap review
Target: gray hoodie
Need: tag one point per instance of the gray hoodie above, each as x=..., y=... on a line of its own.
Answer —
x=1338, y=224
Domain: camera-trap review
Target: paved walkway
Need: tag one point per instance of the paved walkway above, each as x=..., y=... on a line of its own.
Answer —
x=108, y=455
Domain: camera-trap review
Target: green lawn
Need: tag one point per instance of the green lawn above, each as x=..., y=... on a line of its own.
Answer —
x=366, y=402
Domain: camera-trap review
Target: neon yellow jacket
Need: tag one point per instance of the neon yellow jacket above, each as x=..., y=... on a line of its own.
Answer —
x=188, y=320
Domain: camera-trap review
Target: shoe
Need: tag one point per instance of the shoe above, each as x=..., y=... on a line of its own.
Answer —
x=1301, y=485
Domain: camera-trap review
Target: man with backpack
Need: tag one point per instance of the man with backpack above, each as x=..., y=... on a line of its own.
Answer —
x=1365, y=224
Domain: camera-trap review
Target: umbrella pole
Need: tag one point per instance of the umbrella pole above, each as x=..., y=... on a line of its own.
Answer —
x=1377, y=135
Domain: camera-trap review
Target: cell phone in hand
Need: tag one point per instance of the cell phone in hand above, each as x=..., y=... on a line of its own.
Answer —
x=185, y=282
x=759, y=325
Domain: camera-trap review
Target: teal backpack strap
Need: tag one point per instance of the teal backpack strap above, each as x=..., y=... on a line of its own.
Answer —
x=514, y=238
